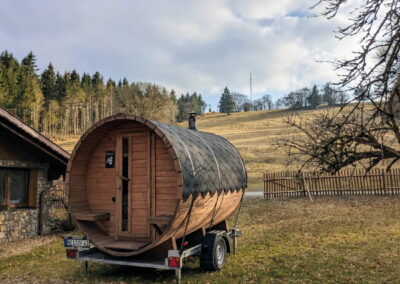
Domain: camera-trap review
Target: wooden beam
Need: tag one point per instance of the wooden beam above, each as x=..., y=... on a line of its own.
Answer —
x=153, y=179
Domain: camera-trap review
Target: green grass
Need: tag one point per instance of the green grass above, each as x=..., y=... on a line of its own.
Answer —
x=330, y=240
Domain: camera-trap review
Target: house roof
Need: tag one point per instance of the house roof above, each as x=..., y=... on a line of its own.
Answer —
x=35, y=139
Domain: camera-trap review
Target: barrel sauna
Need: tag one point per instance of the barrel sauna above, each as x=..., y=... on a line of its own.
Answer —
x=136, y=185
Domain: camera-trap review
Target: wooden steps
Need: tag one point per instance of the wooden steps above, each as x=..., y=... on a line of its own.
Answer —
x=124, y=245
x=159, y=223
x=91, y=216
x=106, y=241
x=160, y=220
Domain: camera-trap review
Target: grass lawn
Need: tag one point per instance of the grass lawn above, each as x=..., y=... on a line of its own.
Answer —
x=330, y=240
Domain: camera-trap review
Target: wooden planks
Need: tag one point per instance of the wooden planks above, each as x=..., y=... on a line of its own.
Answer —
x=165, y=180
x=33, y=182
x=124, y=245
x=100, y=182
x=155, y=191
x=140, y=183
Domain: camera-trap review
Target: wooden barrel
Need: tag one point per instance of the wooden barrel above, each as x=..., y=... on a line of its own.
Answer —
x=136, y=185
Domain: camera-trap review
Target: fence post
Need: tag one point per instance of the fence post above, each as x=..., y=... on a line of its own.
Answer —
x=265, y=189
x=383, y=175
x=305, y=186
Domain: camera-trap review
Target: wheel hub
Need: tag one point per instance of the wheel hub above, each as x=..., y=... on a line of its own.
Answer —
x=220, y=254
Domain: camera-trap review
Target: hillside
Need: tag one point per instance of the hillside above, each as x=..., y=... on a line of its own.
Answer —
x=253, y=133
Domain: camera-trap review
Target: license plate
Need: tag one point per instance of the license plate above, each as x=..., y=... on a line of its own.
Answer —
x=76, y=243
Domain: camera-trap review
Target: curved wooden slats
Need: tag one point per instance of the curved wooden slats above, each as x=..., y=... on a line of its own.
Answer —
x=92, y=190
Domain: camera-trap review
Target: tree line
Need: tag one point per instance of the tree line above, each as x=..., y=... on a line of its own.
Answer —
x=312, y=98
x=304, y=98
x=69, y=103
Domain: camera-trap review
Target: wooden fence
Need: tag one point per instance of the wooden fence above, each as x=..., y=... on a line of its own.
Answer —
x=345, y=182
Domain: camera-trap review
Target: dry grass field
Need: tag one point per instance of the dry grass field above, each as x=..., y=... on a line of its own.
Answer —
x=253, y=133
x=330, y=240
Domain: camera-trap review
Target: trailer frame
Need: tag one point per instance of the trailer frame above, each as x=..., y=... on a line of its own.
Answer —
x=95, y=255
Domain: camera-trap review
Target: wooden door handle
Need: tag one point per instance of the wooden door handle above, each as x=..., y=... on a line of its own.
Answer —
x=124, y=178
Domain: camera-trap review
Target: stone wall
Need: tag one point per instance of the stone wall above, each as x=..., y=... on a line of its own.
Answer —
x=19, y=223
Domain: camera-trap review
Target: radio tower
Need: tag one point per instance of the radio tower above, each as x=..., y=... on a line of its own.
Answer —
x=251, y=94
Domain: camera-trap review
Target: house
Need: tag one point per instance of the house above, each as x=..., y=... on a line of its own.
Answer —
x=29, y=164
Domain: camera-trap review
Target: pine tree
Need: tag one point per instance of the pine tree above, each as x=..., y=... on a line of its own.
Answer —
x=60, y=87
x=314, y=98
x=226, y=103
x=97, y=85
x=86, y=82
x=10, y=68
x=74, y=77
x=48, y=81
x=29, y=97
x=30, y=63
x=172, y=94
x=2, y=85
x=188, y=103
x=110, y=83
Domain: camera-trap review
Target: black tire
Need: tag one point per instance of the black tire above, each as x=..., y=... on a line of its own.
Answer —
x=213, y=252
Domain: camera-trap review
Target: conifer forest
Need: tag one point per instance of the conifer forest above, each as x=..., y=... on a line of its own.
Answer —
x=68, y=103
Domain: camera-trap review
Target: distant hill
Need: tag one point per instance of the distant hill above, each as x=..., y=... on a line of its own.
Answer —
x=253, y=133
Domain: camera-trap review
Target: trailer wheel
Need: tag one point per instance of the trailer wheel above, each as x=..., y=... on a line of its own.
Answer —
x=213, y=252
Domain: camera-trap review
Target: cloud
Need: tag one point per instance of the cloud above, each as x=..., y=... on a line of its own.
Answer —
x=186, y=45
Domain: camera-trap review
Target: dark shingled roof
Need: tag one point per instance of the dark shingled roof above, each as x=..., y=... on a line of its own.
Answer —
x=20, y=129
x=209, y=162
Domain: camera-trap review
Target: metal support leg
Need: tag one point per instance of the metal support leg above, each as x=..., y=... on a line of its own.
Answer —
x=234, y=241
x=178, y=275
x=85, y=268
x=234, y=234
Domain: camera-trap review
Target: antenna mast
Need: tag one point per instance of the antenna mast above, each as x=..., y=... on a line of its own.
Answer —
x=251, y=93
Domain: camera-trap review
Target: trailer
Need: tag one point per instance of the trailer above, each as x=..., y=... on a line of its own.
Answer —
x=213, y=250
x=150, y=194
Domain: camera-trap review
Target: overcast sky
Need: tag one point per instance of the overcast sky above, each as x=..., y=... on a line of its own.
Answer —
x=190, y=46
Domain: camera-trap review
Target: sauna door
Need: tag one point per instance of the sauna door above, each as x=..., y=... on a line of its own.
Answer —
x=133, y=185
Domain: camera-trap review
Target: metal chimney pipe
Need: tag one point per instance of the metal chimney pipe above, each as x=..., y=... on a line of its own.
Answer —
x=192, y=121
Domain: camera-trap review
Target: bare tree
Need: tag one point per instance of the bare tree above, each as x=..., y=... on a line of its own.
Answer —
x=266, y=101
x=258, y=105
x=365, y=130
x=239, y=100
x=247, y=106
